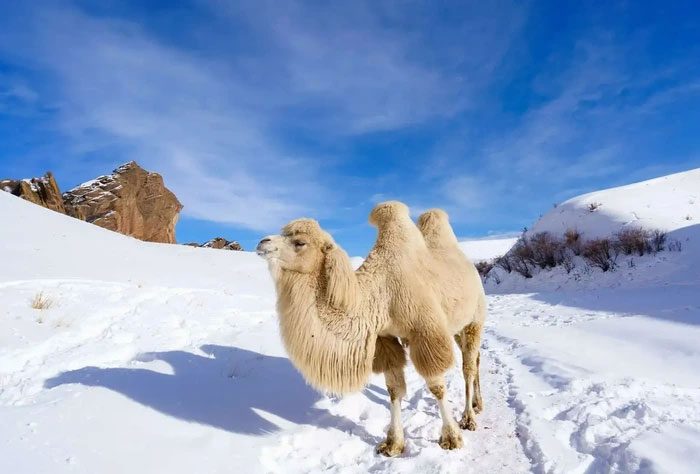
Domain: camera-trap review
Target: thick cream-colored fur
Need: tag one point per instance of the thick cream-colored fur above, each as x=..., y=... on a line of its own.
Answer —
x=412, y=285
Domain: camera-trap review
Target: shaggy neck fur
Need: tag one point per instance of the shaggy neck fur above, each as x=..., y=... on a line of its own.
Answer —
x=332, y=347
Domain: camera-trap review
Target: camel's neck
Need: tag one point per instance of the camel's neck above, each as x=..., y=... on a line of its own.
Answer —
x=333, y=349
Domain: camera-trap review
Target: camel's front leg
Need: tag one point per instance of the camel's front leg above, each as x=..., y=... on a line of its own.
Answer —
x=451, y=436
x=396, y=386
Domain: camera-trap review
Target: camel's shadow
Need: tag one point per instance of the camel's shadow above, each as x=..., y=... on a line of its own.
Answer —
x=226, y=388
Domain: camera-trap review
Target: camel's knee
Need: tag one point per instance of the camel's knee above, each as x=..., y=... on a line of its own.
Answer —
x=469, y=341
x=388, y=355
x=438, y=390
x=395, y=384
x=431, y=353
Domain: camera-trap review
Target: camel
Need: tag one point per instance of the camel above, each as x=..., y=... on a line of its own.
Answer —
x=415, y=286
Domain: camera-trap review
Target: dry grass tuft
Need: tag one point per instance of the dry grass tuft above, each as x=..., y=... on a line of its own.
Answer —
x=41, y=301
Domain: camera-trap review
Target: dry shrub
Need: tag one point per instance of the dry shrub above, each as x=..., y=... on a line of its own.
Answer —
x=484, y=267
x=633, y=240
x=573, y=241
x=504, y=262
x=568, y=263
x=41, y=301
x=657, y=240
x=674, y=245
x=521, y=266
x=520, y=258
x=600, y=253
x=546, y=251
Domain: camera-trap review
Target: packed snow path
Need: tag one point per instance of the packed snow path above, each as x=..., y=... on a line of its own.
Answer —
x=118, y=377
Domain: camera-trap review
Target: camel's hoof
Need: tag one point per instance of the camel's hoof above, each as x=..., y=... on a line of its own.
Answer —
x=451, y=439
x=478, y=408
x=390, y=448
x=467, y=423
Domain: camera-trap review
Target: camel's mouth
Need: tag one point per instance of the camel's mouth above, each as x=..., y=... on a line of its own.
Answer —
x=263, y=253
x=265, y=247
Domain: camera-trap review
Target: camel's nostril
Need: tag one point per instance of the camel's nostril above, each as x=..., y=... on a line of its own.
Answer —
x=261, y=246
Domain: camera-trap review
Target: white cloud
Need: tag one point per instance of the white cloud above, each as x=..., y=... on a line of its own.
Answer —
x=209, y=123
x=581, y=130
x=176, y=113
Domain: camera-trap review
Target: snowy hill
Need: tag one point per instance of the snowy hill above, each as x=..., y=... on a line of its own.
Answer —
x=668, y=203
x=486, y=249
x=167, y=358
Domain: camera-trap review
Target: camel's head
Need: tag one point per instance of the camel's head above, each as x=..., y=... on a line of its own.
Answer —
x=299, y=248
x=304, y=248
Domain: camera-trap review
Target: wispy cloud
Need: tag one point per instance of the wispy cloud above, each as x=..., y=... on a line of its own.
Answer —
x=215, y=126
x=585, y=128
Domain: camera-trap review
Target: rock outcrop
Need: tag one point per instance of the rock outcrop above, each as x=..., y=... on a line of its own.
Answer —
x=221, y=243
x=43, y=191
x=131, y=201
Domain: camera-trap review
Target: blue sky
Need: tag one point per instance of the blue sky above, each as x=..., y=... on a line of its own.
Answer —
x=259, y=112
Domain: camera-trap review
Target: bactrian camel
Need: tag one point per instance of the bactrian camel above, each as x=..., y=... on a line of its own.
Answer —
x=339, y=325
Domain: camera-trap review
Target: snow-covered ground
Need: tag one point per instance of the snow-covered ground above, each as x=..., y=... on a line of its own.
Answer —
x=667, y=203
x=486, y=249
x=165, y=358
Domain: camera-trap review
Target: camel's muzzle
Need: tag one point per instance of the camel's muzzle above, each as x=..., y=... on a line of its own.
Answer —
x=264, y=247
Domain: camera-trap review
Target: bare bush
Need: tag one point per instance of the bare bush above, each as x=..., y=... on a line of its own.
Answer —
x=600, y=253
x=573, y=241
x=633, y=240
x=41, y=301
x=657, y=240
x=592, y=207
x=504, y=262
x=674, y=245
x=521, y=266
x=568, y=263
x=484, y=267
x=520, y=257
x=546, y=251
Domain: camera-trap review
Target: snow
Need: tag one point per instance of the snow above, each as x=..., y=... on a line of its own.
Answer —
x=667, y=203
x=487, y=249
x=167, y=358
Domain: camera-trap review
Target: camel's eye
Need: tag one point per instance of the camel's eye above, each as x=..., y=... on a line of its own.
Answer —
x=299, y=244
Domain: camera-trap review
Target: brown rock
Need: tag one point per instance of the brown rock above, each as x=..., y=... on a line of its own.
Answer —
x=132, y=201
x=42, y=191
x=221, y=243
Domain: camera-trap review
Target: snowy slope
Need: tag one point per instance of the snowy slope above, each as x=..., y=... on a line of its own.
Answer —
x=166, y=358
x=667, y=203
x=486, y=249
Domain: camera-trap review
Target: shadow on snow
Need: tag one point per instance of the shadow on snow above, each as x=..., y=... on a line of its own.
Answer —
x=223, y=388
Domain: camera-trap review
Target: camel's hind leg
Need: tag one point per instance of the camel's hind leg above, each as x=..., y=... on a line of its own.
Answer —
x=390, y=358
x=469, y=340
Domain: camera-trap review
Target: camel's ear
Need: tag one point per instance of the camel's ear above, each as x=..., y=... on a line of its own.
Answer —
x=341, y=284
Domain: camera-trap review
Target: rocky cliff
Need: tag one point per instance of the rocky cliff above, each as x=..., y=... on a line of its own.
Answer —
x=42, y=191
x=131, y=200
